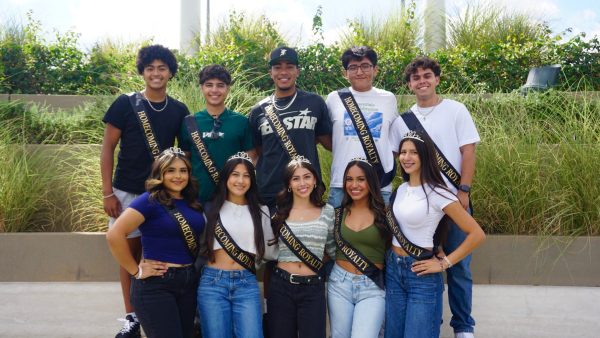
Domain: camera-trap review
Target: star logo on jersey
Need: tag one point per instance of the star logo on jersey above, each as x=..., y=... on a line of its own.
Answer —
x=283, y=51
x=304, y=112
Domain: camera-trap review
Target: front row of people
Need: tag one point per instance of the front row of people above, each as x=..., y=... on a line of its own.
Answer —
x=388, y=262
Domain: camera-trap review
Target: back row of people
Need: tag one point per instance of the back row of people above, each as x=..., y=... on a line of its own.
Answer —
x=358, y=123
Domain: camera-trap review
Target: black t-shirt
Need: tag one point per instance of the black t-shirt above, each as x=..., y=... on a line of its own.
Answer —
x=304, y=120
x=134, y=160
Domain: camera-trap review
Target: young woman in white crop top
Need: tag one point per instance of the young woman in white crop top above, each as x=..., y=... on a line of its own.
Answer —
x=414, y=287
x=229, y=300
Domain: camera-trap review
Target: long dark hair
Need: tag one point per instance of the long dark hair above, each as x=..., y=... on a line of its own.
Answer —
x=156, y=188
x=220, y=196
x=429, y=175
x=285, y=198
x=376, y=203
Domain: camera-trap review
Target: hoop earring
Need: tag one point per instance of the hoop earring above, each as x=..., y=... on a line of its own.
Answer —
x=315, y=187
x=289, y=189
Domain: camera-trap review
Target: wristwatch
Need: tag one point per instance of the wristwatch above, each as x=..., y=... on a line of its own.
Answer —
x=465, y=188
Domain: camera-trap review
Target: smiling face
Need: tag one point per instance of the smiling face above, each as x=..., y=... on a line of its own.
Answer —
x=423, y=83
x=302, y=183
x=409, y=158
x=156, y=75
x=175, y=177
x=284, y=75
x=215, y=92
x=238, y=184
x=361, y=73
x=356, y=184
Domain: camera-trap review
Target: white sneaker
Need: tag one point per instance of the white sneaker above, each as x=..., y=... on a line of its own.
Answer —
x=464, y=335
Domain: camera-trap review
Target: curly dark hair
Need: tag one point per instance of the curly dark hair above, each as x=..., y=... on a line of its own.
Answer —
x=423, y=62
x=149, y=54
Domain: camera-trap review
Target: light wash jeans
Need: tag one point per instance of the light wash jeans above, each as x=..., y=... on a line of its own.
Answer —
x=229, y=304
x=356, y=305
x=413, y=307
x=337, y=194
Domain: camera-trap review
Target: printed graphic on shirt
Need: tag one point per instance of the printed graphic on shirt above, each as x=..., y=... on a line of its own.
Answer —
x=374, y=121
x=301, y=119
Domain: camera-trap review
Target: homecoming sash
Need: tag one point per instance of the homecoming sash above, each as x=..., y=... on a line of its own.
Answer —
x=360, y=262
x=186, y=230
x=364, y=136
x=243, y=258
x=412, y=122
x=279, y=130
x=209, y=164
x=137, y=102
x=412, y=249
x=300, y=250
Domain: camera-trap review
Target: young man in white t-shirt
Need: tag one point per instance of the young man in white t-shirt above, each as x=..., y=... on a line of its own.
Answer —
x=379, y=108
x=451, y=127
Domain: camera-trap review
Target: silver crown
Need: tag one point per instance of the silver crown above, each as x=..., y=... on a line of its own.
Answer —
x=413, y=135
x=240, y=155
x=173, y=151
x=361, y=159
x=296, y=160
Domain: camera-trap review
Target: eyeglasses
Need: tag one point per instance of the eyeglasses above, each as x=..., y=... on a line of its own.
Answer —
x=365, y=67
x=214, y=133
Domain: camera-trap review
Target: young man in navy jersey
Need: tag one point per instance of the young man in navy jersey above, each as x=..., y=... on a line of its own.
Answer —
x=143, y=129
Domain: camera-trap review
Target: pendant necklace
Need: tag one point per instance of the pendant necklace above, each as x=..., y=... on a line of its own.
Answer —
x=424, y=114
x=287, y=105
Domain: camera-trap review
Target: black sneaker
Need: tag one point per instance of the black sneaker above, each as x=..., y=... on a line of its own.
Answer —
x=131, y=328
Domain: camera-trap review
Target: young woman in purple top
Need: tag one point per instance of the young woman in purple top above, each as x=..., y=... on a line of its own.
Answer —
x=165, y=282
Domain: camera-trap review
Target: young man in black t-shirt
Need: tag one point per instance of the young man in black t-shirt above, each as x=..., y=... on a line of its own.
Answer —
x=157, y=65
x=304, y=116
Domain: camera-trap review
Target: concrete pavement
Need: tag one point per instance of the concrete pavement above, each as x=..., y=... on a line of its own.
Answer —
x=91, y=309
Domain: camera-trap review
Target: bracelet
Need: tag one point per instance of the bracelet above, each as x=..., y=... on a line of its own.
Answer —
x=140, y=272
x=109, y=195
x=441, y=265
x=445, y=258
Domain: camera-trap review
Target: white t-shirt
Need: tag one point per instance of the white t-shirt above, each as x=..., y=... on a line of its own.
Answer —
x=380, y=109
x=236, y=219
x=418, y=223
x=449, y=125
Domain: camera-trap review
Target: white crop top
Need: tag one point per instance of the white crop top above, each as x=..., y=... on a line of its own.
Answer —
x=410, y=209
x=238, y=222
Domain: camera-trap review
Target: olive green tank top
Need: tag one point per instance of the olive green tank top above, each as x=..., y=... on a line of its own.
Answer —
x=367, y=241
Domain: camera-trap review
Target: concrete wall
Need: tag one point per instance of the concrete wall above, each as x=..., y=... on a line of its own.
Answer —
x=526, y=260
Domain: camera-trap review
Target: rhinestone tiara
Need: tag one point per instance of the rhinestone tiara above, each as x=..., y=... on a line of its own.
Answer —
x=240, y=155
x=413, y=135
x=296, y=160
x=361, y=159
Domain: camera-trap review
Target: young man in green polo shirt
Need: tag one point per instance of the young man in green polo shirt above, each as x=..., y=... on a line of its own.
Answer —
x=222, y=131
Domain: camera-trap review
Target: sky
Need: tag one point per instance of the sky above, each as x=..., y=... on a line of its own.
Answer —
x=160, y=19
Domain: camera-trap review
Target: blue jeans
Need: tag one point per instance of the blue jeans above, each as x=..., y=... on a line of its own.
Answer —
x=413, y=307
x=229, y=304
x=356, y=305
x=166, y=305
x=460, y=283
x=337, y=194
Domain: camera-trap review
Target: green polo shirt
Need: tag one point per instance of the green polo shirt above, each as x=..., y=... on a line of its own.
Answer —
x=234, y=136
